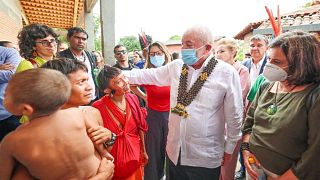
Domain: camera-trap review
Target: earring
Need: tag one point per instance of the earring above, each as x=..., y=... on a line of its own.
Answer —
x=34, y=53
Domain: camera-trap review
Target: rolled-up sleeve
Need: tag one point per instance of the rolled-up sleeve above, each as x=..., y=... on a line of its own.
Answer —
x=233, y=110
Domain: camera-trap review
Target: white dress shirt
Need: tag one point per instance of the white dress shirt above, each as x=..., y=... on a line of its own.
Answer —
x=91, y=81
x=216, y=108
x=255, y=69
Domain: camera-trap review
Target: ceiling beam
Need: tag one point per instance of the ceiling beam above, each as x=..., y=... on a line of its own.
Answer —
x=75, y=12
x=23, y=14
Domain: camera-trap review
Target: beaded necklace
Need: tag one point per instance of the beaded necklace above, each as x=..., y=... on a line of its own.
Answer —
x=186, y=97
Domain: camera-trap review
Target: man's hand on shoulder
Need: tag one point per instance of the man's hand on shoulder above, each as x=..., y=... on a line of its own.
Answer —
x=99, y=134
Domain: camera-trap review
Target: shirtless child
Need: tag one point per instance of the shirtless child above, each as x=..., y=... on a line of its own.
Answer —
x=54, y=144
x=81, y=92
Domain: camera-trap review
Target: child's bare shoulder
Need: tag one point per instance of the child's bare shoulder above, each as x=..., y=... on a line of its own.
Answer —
x=71, y=109
x=89, y=110
x=92, y=114
x=74, y=111
x=9, y=141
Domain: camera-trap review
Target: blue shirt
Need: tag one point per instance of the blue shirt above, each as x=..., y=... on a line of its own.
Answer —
x=7, y=56
x=140, y=64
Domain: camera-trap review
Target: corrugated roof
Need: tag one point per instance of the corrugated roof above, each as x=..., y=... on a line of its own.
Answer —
x=307, y=19
x=249, y=28
x=54, y=13
x=309, y=15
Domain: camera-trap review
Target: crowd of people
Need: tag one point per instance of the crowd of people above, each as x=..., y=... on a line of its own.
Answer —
x=160, y=115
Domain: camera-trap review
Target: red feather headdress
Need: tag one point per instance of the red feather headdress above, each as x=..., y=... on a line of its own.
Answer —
x=144, y=39
x=277, y=29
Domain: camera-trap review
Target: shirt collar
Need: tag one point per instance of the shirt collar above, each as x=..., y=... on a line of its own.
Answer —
x=260, y=62
x=39, y=59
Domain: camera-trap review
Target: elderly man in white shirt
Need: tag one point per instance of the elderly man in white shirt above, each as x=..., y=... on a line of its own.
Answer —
x=206, y=107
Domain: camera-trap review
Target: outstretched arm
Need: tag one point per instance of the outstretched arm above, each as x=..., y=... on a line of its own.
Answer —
x=155, y=76
x=137, y=91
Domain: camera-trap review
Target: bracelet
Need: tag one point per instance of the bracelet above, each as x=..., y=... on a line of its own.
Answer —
x=244, y=146
x=112, y=140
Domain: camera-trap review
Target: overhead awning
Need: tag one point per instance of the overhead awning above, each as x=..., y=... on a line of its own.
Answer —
x=54, y=13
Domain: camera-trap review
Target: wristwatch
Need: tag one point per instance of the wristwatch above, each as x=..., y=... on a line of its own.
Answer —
x=112, y=140
x=244, y=146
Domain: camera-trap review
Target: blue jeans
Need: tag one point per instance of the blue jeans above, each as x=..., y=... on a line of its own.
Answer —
x=242, y=167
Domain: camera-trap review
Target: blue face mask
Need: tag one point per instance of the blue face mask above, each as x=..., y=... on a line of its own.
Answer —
x=189, y=56
x=157, y=61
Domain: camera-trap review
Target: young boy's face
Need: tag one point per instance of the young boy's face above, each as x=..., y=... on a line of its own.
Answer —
x=8, y=102
x=119, y=84
x=81, y=91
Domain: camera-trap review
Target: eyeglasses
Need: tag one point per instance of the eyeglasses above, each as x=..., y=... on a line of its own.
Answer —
x=47, y=43
x=158, y=53
x=121, y=52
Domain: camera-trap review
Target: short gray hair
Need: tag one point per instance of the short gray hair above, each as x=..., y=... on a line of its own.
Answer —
x=259, y=37
x=202, y=33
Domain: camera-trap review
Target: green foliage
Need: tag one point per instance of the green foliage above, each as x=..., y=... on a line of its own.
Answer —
x=175, y=37
x=97, y=33
x=307, y=4
x=241, y=54
x=62, y=38
x=97, y=44
x=97, y=24
x=62, y=34
x=130, y=42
